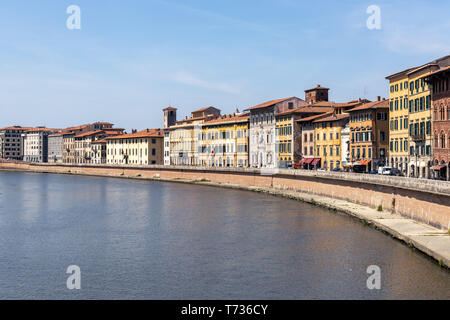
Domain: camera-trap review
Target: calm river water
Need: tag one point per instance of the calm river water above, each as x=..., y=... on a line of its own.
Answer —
x=152, y=240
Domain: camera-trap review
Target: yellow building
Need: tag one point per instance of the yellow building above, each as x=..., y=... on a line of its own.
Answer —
x=398, y=120
x=285, y=141
x=410, y=145
x=328, y=142
x=137, y=148
x=223, y=141
x=184, y=137
x=419, y=109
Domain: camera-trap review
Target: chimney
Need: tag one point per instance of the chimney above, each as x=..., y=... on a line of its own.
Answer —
x=378, y=98
x=148, y=130
x=133, y=130
x=318, y=86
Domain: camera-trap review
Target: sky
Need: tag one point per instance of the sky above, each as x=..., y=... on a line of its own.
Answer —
x=130, y=59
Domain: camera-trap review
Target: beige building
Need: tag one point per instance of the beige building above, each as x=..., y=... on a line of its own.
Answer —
x=137, y=148
x=183, y=137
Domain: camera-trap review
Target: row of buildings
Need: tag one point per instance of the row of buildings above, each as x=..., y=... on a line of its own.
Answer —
x=96, y=143
x=409, y=131
x=312, y=133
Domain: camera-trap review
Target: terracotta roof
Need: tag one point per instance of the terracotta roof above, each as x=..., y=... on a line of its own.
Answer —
x=228, y=118
x=42, y=130
x=317, y=116
x=89, y=133
x=204, y=109
x=427, y=65
x=78, y=127
x=400, y=73
x=268, y=103
x=16, y=128
x=99, y=141
x=372, y=105
x=333, y=117
x=147, y=133
x=170, y=108
x=317, y=87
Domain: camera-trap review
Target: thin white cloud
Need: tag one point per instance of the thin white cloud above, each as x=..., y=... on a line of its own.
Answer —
x=191, y=80
x=427, y=40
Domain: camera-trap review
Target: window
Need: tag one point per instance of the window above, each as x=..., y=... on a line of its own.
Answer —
x=382, y=136
x=153, y=152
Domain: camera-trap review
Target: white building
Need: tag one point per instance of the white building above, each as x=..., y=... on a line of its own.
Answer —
x=345, y=145
x=262, y=130
x=35, y=144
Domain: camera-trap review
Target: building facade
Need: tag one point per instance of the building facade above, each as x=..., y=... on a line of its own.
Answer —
x=223, y=141
x=328, y=140
x=440, y=99
x=55, y=148
x=369, y=135
x=263, y=152
x=137, y=148
x=11, y=144
x=98, y=151
x=419, y=108
x=35, y=144
x=399, y=121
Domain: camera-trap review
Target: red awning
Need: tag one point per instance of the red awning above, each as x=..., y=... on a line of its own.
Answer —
x=308, y=161
x=437, y=168
x=364, y=162
x=315, y=162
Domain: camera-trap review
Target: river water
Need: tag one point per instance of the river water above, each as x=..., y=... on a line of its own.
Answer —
x=135, y=239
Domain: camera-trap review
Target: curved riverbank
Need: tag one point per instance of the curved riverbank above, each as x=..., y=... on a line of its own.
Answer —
x=433, y=241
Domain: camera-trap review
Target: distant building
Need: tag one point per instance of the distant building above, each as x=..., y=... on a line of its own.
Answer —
x=316, y=94
x=77, y=140
x=223, y=141
x=170, y=119
x=55, y=148
x=35, y=144
x=11, y=145
x=328, y=140
x=369, y=130
x=98, y=151
x=183, y=137
x=263, y=143
x=288, y=133
x=440, y=98
x=137, y=148
x=308, y=145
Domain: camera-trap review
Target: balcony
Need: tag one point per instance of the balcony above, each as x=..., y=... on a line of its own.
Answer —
x=418, y=138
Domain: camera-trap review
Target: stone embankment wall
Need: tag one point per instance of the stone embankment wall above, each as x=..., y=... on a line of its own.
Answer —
x=422, y=200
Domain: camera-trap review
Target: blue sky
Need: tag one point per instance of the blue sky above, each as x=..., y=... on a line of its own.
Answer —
x=132, y=58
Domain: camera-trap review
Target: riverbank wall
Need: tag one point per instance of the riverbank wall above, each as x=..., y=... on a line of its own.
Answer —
x=426, y=201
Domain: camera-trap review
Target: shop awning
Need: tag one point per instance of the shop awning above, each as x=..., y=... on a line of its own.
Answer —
x=364, y=162
x=308, y=161
x=315, y=162
x=437, y=168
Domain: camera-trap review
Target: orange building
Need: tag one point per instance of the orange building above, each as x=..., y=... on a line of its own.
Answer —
x=369, y=135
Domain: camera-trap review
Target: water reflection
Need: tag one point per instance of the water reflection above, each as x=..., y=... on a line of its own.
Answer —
x=149, y=240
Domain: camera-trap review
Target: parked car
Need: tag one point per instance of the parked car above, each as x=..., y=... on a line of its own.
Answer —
x=388, y=171
x=373, y=172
